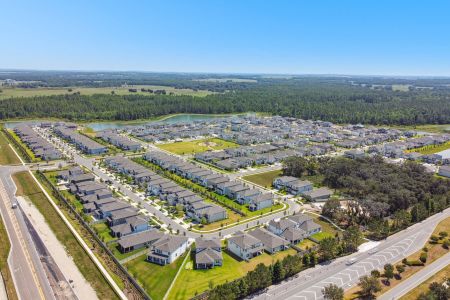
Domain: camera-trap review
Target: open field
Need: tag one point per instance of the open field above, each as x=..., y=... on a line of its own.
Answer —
x=27, y=187
x=4, y=269
x=191, y=282
x=191, y=147
x=30, y=92
x=227, y=80
x=264, y=179
x=7, y=155
x=155, y=279
x=431, y=149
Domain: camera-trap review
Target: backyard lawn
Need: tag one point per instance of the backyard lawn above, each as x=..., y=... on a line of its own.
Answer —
x=264, y=179
x=306, y=244
x=326, y=226
x=191, y=147
x=7, y=155
x=191, y=282
x=431, y=149
x=155, y=279
x=103, y=232
x=322, y=235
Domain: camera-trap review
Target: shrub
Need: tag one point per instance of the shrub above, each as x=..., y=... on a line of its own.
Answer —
x=414, y=263
x=425, y=249
x=423, y=257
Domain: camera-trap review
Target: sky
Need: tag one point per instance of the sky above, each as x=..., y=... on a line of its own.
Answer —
x=368, y=37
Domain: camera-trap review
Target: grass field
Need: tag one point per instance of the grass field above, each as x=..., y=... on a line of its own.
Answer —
x=431, y=149
x=264, y=179
x=191, y=282
x=155, y=279
x=7, y=155
x=22, y=92
x=434, y=128
x=191, y=147
x=5, y=246
x=27, y=187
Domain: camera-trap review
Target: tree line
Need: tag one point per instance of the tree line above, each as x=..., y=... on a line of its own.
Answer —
x=327, y=100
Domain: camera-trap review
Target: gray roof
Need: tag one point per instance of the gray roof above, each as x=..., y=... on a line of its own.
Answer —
x=147, y=236
x=169, y=243
x=268, y=238
x=244, y=240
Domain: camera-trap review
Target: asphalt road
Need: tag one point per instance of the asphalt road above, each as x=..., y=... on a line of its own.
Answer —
x=309, y=284
x=88, y=162
x=413, y=281
x=27, y=271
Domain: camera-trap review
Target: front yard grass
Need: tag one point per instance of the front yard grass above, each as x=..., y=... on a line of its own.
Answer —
x=26, y=186
x=191, y=282
x=155, y=279
x=264, y=179
x=191, y=147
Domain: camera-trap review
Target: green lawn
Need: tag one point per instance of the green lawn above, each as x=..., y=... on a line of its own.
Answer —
x=155, y=279
x=306, y=244
x=48, y=91
x=191, y=282
x=26, y=186
x=7, y=155
x=103, y=232
x=191, y=147
x=321, y=235
x=119, y=255
x=264, y=179
x=326, y=226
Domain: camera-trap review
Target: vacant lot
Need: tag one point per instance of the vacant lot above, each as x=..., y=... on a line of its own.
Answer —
x=30, y=92
x=191, y=282
x=155, y=279
x=7, y=155
x=196, y=146
x=26, y=186
x=264, y=179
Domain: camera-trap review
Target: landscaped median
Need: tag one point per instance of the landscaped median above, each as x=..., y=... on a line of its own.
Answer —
x=436, y=247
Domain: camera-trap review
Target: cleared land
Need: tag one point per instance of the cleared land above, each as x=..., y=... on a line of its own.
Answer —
x=4, y=269
x=7, y=155
x=441, y=128
x=155, y=279
x=31, y=92
x=264, y=179
x=191, y=282
x=191, y=147
x=27, y=187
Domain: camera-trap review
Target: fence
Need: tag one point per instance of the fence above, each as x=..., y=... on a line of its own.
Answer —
x=81, y=220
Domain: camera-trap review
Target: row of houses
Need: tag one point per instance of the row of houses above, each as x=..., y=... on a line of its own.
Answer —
x=216, y=182
x=98, y=200
x=193, y=205
x=118, y=140
x=41, y=147
x=82, y=142
x=295, y=186
x=278, y=236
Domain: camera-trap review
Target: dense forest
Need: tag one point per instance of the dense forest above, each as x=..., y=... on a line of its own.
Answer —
x=376, y=191
x=320, y=98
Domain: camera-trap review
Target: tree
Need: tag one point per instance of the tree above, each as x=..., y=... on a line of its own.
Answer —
x=278, y=272
x=375, y=273
x=328, y=248
x=312, y=259
x=400, y=270
x=388, y=272
x=332, y=209
x=333, y=292
x=351, y=239
x=439, y=291
x=369, y=286
x=443, y=234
